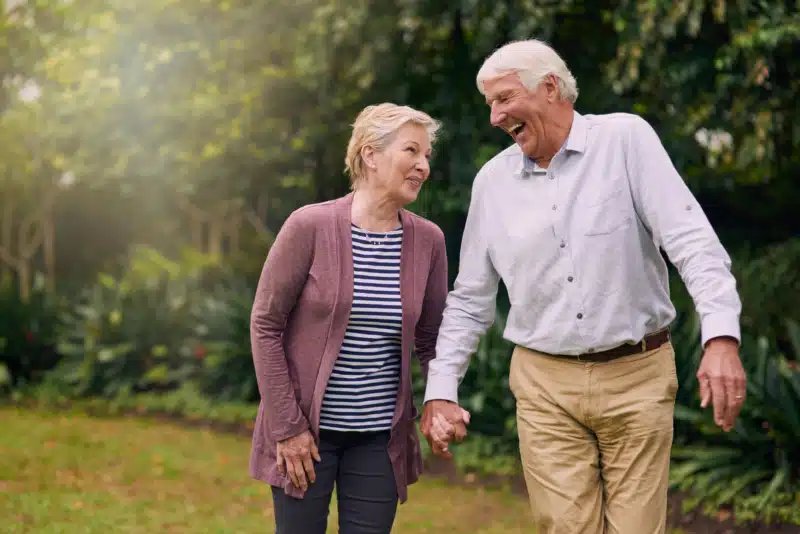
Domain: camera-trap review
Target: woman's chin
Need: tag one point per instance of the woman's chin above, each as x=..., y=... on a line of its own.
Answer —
x=407, y=195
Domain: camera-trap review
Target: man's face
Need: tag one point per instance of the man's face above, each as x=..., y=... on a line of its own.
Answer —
x=520, y=112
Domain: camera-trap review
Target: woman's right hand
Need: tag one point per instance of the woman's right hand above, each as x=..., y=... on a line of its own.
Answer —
x=295, y=456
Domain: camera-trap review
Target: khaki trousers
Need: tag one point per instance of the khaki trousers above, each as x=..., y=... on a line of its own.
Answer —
x=595, y=440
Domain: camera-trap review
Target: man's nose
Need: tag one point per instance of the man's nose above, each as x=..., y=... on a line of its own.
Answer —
x=496, y=117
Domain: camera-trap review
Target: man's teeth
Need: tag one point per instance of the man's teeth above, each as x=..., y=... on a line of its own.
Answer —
x=516, y=128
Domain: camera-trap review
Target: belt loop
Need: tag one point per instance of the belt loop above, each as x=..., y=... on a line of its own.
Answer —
x=644, y=344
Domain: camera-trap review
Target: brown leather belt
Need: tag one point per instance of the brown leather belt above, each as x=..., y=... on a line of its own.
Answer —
x=650, y=342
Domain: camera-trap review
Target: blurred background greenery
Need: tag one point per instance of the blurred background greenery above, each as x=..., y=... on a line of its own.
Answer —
x=149, y=151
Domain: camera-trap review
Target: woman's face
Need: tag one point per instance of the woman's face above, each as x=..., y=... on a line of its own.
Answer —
x=403, y=166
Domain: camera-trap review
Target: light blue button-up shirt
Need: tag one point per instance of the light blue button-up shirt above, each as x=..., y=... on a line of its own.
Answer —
x=577, y=247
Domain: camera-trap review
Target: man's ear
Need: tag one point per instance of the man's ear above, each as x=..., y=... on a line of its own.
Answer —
x=552, y=91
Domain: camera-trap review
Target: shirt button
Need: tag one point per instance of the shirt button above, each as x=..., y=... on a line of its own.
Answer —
x=590, y=351
x=570, y=279
x=554, y=207
x=580, y=316
x=562, y=244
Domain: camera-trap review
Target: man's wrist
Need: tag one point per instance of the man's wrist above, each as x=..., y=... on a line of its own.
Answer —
x=722, y=340
x=720, y=325
x=441, y=387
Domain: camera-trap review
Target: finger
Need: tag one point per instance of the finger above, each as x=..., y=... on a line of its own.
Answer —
x=439, y=436
x=315, y=452
x=308, y=466
x=300, y=474
x=442, y=426
x=290, y=469
x=460, y=432
x=705, y=390
x=718, y=397
x=465, y=416
x=441, y=451
x=281, y=464
x=737, y=385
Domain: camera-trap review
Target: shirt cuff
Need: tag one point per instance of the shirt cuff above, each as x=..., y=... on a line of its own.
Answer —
x=720, y=325
x=441, y=387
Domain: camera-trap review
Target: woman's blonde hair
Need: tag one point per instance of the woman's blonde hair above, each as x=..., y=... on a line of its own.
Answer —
x=376, y=126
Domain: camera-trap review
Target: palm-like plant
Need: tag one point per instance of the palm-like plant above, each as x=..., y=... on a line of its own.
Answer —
x=756, y=465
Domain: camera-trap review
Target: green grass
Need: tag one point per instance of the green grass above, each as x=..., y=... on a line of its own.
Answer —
x=64, y=473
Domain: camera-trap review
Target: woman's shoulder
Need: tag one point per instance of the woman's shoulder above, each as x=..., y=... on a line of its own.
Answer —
x=310, y=215
x=426, y=227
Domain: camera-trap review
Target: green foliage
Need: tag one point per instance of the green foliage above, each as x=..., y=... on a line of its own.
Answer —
x=159, y=326
x=226, y=368
x=128, y=334
x=27, y=334
x=756, y=465
x=769, y=283
x=135, y=332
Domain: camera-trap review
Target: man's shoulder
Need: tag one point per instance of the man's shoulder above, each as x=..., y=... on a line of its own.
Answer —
x=503, y=163
x=620, y=122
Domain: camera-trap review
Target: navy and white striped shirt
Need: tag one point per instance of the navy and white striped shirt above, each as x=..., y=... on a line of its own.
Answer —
x=362, y=389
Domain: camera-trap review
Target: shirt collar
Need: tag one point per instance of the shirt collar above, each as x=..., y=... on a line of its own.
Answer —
x=575, y=142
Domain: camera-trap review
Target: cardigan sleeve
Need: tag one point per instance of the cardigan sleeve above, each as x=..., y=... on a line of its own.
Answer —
x=282, y=279
x=427, y=329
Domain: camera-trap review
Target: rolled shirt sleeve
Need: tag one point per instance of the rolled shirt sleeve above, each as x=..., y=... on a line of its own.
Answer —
x=679, y=226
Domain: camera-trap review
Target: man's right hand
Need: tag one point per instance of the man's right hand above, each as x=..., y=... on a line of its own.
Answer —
x=442, y=422
x=295, y=456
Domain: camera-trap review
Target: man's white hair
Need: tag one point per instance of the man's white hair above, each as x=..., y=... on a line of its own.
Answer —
x=531, y=60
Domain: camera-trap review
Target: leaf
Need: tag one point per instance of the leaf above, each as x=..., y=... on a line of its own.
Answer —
x=777, y=482
x=158, y=374
x=5, y=374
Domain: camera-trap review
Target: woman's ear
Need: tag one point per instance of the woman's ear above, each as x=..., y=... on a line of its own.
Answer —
x=368, y=155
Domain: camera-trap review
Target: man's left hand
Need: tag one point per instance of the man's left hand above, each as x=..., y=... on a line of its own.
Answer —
x=722, y=380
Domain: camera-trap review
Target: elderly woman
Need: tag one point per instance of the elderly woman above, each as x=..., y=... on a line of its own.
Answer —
x=349, y=289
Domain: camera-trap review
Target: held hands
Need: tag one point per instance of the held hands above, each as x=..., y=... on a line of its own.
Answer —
x=442, y=422
x=722, y=381
x=295, y=456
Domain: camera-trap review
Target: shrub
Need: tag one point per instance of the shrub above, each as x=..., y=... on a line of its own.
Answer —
x=756, y=467
x=226, y=366
x=27, y=334
x=133, y=333
x=160, y=326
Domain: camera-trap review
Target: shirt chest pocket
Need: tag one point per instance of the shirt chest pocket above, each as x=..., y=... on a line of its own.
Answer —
x=604, y=222
x=605, y=214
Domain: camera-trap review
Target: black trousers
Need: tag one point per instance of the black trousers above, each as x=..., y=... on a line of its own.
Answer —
x=357, y=464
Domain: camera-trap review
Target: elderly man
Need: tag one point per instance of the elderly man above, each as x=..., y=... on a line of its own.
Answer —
x=572, y=218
